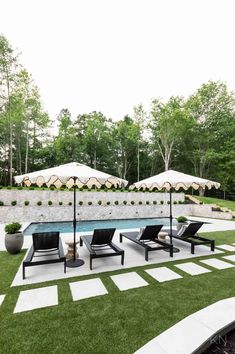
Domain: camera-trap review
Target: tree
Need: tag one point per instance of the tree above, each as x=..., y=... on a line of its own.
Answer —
x=8, y=63
x=125, y=136
x=140, y=120
x=212, y=109
x=168, y=124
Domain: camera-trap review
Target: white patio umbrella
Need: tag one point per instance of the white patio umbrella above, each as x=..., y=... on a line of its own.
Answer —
x=174, y=180
x=74, y=175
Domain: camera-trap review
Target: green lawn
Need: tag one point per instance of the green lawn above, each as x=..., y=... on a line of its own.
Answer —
x=119, y=322
x=221, y=202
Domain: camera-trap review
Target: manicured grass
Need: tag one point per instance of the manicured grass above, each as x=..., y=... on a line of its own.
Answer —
x=221, y=202
x=117, y=323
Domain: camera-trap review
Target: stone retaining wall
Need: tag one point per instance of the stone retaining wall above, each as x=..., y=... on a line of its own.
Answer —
x=36, y=213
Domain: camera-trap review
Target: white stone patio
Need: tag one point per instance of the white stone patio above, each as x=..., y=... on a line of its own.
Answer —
x=134, y=257
x=217, y=263
x=37, y=298
x=87, y=288
x=192, y=268
x=163, y=274
x=128, y=281
x=2, y=297
x=189, y=334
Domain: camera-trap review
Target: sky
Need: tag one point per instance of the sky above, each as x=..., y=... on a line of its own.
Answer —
x=110, y=55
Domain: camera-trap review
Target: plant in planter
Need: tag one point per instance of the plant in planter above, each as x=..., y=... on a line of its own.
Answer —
x=181, y=220
x=14, y=238
x=14, y=202
x=1, y=203
x=26, y=202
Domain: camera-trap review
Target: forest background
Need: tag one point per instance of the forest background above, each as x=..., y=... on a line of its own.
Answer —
x=194, y=134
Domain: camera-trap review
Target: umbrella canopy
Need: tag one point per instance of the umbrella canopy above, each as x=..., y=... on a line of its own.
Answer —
x=174, y=180
x=70, y=174
x=74, y=175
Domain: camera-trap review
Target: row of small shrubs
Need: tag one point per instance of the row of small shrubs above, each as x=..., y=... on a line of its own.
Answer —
x=26, y=202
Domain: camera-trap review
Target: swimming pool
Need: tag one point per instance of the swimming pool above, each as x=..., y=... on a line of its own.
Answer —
x=90, y=225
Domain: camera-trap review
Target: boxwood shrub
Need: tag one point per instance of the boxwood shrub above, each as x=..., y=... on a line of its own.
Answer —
x=14, y=202
x=26, y=202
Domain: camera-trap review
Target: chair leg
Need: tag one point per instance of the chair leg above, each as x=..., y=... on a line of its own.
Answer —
x=120, y=238
x=171, y=251
x=64, y=266
x=146, y=254
x=81, y=242
x=212, y=246
x=192, y=248
x=23, y=271
x=122, y=259
x=90, y=263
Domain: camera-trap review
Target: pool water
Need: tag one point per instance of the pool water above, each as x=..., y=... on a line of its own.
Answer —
x=90, y=225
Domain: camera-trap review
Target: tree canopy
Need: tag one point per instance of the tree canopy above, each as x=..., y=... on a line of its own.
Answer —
x=194, y=134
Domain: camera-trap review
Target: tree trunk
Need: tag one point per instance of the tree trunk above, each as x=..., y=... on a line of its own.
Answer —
x=10, y=127
x=27, y=145
x=138, y=161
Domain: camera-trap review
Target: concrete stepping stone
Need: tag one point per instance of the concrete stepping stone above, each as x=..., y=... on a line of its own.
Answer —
x=162, y=274
x=226, y=247
x=87, y=288
x=128, y=281
x=37, y=298
x=1, y=299
x=217, y=263
x=192, y=268
x=230, y=258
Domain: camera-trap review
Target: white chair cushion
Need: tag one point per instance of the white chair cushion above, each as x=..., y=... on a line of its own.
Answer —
x=140, y=233
x=182, y=229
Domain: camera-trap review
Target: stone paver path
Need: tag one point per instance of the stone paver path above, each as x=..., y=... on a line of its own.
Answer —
x=227, y=247
x=128, y=281
x=87, y=288
x=217, y=263
x=37, y=298
x=230, y=258
x=2, y=297
x=192, y=268
x=162, y=274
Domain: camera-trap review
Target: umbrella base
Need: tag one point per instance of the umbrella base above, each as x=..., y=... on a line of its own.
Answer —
x=73, y=264
x=175, y=250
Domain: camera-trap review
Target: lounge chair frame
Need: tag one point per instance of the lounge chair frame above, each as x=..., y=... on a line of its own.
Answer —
x=54, y=248
x=146, y=241
x=101, y=240
x=191, y=236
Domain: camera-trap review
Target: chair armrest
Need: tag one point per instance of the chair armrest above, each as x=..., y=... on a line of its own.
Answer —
x=61, y=249
x=88, y=245
x=29, y=255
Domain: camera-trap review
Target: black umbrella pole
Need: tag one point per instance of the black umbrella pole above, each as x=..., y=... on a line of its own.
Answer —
x=74, y=222
x=72, y=263
x=170, y=215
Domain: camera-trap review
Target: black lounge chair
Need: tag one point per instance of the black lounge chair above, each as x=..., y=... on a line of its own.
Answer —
x=45, y=244
x=148, y=238
x=190, y=235
x=99, y=243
